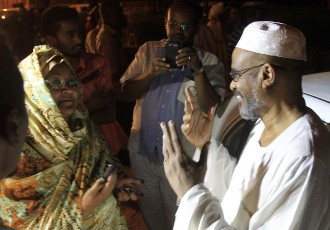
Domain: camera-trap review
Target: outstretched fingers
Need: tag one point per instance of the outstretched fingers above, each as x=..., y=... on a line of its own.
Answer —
x=189, y=107
x=171, y=145
x=166, y=140
x=191, y=100
x=174, y=138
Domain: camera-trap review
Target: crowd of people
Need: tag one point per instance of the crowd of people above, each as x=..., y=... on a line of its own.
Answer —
x=61, y=131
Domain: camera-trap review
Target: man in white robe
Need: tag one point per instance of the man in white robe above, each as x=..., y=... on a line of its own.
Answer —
x=281, y=180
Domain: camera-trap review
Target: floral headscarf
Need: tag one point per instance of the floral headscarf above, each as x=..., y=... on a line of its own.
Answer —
x=57, y=164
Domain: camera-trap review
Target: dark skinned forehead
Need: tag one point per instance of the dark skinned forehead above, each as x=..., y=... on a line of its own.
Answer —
x=242, y=59
x=182, y=14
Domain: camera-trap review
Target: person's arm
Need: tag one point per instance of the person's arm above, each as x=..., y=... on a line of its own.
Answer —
x=198, y=209
x=143, y=69
x=133, y=89
x=287, y=198
x=207, y=95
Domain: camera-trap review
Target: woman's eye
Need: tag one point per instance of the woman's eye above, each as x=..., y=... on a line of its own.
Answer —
x=57, y=82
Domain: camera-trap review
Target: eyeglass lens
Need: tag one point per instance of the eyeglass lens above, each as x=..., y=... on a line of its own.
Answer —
x=183, y=27
x=60, y=83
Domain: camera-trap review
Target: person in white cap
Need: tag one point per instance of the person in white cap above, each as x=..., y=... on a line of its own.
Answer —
x=281, y=180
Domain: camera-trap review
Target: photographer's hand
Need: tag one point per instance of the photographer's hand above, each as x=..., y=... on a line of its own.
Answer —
x=159, y=66
x=188, y=57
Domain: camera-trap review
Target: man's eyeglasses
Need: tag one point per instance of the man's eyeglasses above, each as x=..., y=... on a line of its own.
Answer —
x=183, y=27
x=59, y=83
x=235, y=75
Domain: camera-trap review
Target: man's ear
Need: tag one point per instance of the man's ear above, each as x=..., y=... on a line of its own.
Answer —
x=13, y=122
x=268, y=75
x=50, y=40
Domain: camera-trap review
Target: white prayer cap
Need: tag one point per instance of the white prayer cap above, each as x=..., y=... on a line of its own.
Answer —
x=274, y=39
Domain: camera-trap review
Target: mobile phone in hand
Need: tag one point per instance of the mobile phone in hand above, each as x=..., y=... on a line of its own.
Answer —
x=109, y=169
x=171, y=51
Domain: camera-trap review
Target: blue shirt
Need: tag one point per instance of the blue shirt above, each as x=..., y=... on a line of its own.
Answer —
x=167, y=101
x=161, y=105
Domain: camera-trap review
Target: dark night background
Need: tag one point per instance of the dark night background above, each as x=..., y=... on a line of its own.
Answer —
x=310, y=16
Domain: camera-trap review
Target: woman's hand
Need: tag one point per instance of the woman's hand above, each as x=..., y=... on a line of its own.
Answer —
x=188, y=57
x=98, y=193
x=126, y=188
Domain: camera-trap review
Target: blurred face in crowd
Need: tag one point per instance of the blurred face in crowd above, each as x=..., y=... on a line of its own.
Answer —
x=64, y=87
x=68, y=38
x=180, y=25
x=113, y=16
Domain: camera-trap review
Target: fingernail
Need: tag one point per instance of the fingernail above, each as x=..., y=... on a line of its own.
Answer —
x=171, y=122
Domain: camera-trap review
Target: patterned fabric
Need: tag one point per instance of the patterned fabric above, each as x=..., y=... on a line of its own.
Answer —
x=57, y=165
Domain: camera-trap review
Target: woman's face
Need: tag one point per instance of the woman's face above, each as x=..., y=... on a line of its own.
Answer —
x=64, y=88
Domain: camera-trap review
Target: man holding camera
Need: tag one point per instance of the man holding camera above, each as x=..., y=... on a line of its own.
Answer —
x=158, y=86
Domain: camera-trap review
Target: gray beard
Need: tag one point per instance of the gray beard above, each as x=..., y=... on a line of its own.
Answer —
x=250, y=107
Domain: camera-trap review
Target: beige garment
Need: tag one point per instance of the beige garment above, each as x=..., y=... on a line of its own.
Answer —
x=57, y=164
x=105, y=40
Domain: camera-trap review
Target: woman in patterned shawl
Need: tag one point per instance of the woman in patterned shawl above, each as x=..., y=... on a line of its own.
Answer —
x=57, y=184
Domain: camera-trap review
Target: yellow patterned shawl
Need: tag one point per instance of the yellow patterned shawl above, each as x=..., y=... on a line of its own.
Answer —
x=57, y=165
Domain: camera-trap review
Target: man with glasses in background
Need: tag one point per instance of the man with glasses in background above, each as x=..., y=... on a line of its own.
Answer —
x=158, y=88
x=281, y=180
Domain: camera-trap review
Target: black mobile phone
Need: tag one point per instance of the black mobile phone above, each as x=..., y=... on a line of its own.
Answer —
x=110, y=168
x=171, y=51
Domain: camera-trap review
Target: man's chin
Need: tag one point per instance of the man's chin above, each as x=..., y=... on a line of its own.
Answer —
x=247, y=114
x=177, y=38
